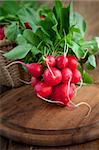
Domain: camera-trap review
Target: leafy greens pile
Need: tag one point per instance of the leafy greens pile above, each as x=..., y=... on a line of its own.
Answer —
x=13, y=15
x=60, y=24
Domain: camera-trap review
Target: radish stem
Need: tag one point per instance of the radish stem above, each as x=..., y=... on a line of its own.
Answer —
x=50, y=101
x=65, y=50
x=85, y=54
x=2, y=52
x=49, y=67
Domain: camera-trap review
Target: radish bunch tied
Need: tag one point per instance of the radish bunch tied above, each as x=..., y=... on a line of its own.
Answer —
x=55, y=82
x=53, y=52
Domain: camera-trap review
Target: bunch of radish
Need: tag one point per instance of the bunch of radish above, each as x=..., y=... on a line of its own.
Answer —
x=55, y=83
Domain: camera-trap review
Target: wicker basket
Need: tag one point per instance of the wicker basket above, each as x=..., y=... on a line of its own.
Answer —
x=10, y=76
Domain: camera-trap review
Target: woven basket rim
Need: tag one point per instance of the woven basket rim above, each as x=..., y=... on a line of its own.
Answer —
x=6, y=42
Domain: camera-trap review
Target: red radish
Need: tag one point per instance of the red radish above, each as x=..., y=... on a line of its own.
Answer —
x=35, y=69
x=27, y=25
x=50, y=79
x=72, y=62
x=57, y=96
x=66, y=74
x=76, y=76
x=2, y=35
x=50, y=60
x=64, y=91
x=60, y=93
x=61, y=61
x=43, y=89
x=34, y=81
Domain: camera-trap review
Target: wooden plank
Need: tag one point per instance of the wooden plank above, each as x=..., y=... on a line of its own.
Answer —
x=17, y=146
x=3, y=143
x=94, y=145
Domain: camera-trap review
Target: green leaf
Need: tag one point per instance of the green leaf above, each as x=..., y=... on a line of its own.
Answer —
x=35, y=50
x=18, y=52
x=12, y=31
x=79, y=23
x=26, y=16
x=31, y=37
x=91, y=62
x=55, y=24
x=92, y=45
x=43, y=36
x=77, y=50
x=65, y=20
x=57, y=10
x=49, y=25
x=86, y=78
x=20, y=40
x=10, y=7
x=71, y=15
x=97, y=41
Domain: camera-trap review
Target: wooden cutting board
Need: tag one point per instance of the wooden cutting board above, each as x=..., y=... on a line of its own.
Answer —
x=26, y=118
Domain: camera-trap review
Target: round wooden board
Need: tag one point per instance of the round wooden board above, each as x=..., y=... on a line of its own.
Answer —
x=26, y=118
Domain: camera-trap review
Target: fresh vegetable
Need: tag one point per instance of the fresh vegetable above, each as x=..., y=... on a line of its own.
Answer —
x=35, y=69
x=61, y=25
x=61, y=93
x=61, y=62
x=43, y=89
x=61, y=32
x=34, y=81
x=76, y=76
x=66, y=75
x=52, y=79
x=72, y=62
x=50, y=60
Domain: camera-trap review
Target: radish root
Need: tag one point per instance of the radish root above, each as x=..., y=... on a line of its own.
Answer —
x=78, y=88
x=83, y=103
x=15, y=62
x=25, y=81
x=68, y=89
x=50, y=101
x=49, y=67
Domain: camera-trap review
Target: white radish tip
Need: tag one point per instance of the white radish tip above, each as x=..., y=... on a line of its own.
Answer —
x=26, y=82
x=83, y=103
